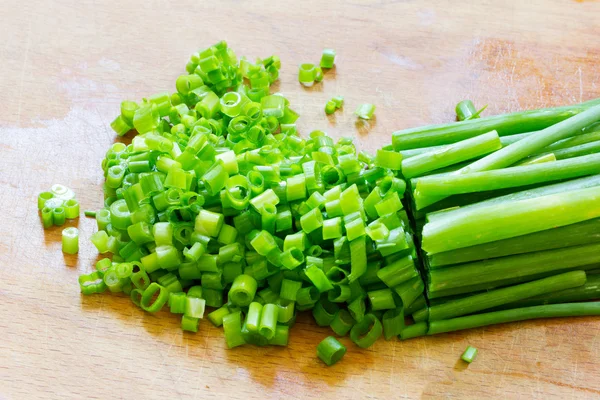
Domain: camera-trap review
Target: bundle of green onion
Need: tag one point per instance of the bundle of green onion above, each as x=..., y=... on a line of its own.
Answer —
x=218, y=203
x=507, y=209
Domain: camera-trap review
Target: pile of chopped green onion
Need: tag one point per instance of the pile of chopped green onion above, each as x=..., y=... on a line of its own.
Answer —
x=219, y=210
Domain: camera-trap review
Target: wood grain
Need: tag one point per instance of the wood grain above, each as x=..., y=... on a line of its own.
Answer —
x=65, y=67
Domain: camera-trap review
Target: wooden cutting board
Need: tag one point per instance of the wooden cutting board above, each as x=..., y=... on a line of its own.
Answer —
x=65, y=67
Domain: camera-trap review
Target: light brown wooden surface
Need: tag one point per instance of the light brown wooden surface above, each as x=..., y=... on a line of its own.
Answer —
x=66, y=65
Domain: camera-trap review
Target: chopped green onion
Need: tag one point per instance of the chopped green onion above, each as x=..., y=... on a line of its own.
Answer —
x=268, y=321
x=330, y=351
x=338, y=100
x=318, y=74
x=253, y=316
x=263, y=242
x=357, y=308
x=332, y=228
x=333, y=104
x=286, y=313
x=410, y=291
x=342, y=323
x=243, y=290
x=58, y=216
x=465, y=109
x=324, y=312
x=92, y=283
x=318, y=278
x=328, y=58
x=189, y=324
x=339, y=294
x=296, y=188
x=194, y=307
x=273, y=105
x=281, y=337
x=43, y=198
x=232, y=326
x=266, y=197
x=307, y=296
x=177, y=303
x=70, y=240
x=330, y=107
x=146, y=118
x=393, y=322
x=62, y=192
x=398, y=272
x=366, y=331
x=311, y=220
x=307, y=74
x=209, y=223
x=469, y=354
x=365, y=111
x=289, y=289
x=149, y=302
x=216, y=317
x=47, y=217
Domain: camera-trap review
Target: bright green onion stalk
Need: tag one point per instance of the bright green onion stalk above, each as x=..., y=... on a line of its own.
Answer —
x=523, y=148
x=511, y=219
x=451, y=154
x=589, y=291
x=487, y=274
x=517, y=314
x=431, y=187
x=585, y=232
x=504, y=140
x=577, y=151
x=497, y=297
x=562, y=187
x=537, y=141
x=505, y=124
